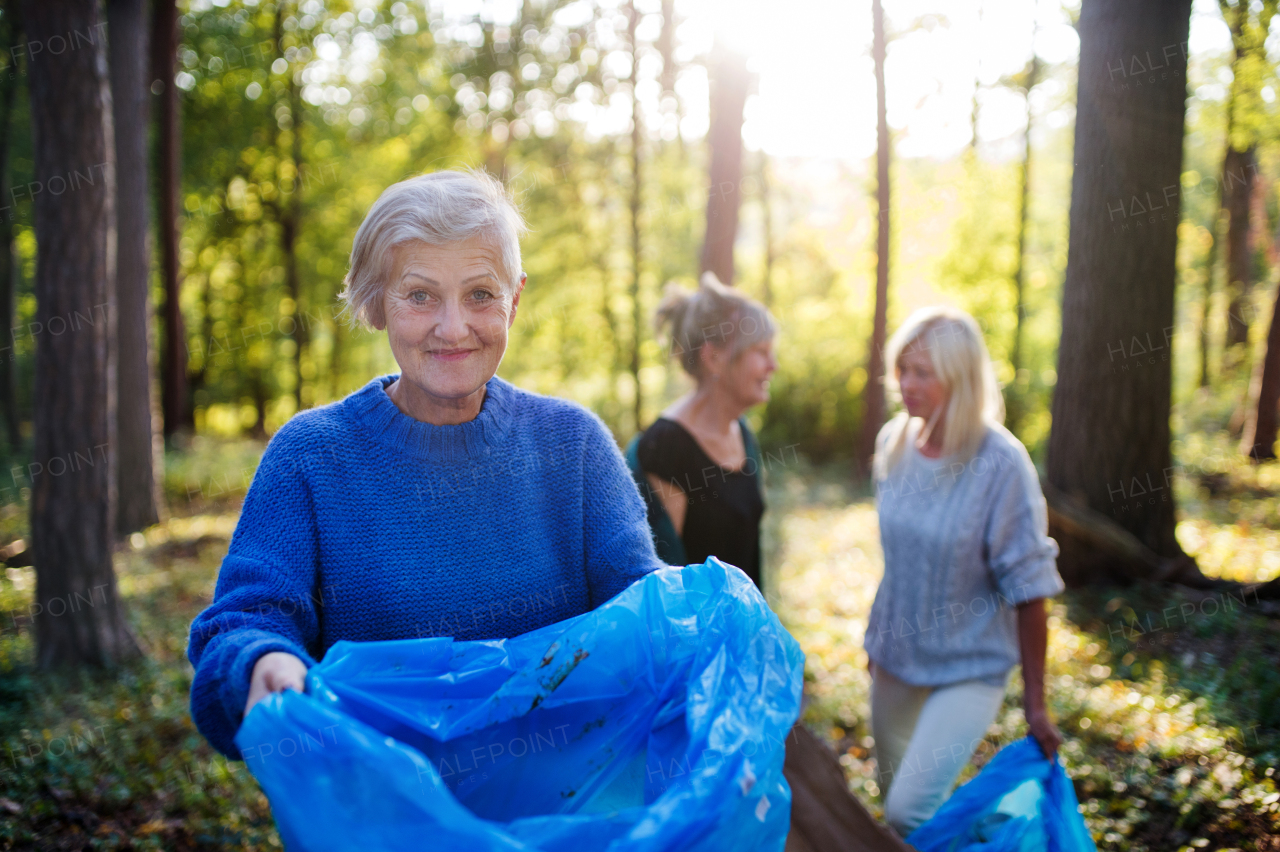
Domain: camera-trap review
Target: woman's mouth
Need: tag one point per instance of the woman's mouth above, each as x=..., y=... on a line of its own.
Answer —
x=451, y=354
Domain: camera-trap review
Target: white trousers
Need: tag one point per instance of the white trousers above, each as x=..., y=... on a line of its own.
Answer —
x=924, y=736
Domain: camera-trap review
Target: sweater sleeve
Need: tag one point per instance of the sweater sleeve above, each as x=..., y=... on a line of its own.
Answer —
x=617, y=543
x=1022, y=557
x=264, y=598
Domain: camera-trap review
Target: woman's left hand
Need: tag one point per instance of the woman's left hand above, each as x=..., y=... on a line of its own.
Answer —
x=1044, y=731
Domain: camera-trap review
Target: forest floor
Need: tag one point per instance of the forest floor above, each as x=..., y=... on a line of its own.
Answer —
x=1169, y=701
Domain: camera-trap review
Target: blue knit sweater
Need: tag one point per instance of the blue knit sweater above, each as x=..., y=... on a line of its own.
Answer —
x=365, y=524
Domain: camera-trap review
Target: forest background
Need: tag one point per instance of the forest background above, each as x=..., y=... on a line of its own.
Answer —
x=270, y=128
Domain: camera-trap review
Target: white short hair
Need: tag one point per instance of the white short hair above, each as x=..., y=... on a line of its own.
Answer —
x=438, y=208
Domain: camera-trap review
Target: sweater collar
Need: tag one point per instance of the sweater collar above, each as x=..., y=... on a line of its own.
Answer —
x=473, y=440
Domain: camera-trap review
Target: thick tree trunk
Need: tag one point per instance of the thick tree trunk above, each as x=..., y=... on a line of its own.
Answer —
x=164, y=51
x=80, y=619
x=1239, y=176
x=1109, y=444
x=873, y=392
x=137, y=454
x=729, y=84
x=10, y=31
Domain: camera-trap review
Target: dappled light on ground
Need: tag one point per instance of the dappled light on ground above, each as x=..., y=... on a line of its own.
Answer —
x=1170, y=737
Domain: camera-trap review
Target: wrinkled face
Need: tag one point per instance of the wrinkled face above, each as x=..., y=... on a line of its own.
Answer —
x=446, y=316
x=923, y=393
x=747, y=376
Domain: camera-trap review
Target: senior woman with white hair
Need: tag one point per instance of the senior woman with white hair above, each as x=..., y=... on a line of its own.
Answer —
x=442, y=501
x=967, y=567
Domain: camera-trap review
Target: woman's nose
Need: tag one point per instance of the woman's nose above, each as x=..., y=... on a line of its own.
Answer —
x=451, y=323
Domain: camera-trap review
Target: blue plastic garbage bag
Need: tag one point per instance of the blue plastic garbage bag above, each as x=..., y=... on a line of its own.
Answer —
x=1019, y=802
x=655, y=722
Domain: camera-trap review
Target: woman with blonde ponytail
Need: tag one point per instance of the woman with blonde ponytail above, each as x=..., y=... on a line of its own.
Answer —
x=967, y=567
x=698, y=464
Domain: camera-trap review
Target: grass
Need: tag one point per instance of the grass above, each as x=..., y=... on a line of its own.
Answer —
x=1171, y=715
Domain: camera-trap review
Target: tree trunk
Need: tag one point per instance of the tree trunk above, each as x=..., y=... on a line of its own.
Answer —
x=766, y=216
x=1109, y=443
x=80, y=620
x=667, y=47
x=1015, y=399
x=873, y=391
x=289, y=211
x=1239, y=174
x=729, y=84
x=1211, y=261
x=825, y=816
x=136, y=455
x=1260, y=429
x=164, y=51
x=637, y=315
x=11, y=32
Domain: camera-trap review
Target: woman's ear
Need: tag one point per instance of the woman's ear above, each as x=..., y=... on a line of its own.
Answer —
x=515, y=300
x=714, y=359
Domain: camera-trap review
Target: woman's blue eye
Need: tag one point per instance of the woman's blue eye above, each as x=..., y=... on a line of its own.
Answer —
x=418, y=296
x=483, y=295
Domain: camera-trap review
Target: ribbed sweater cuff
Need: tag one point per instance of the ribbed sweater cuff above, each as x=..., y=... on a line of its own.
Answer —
x=235, y=685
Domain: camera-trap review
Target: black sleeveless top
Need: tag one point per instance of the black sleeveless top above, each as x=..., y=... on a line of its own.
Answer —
x=725, y=506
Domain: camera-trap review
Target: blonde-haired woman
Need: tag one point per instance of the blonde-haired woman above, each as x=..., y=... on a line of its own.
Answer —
x=967, y=566
x=698, y=465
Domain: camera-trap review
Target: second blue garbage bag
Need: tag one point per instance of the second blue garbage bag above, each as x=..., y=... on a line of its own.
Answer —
x=654, y=722
x=1020, y=802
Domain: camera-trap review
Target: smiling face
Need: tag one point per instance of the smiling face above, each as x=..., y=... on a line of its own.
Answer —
x=923, y=393
x=447, y=318
x=746, y=377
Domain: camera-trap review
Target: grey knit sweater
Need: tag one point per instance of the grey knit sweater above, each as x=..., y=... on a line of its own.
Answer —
x=964, y=545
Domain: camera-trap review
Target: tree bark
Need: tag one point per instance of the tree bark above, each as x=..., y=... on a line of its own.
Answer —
x=1109, y=443
x=80, y=618
x=873, y=405
x=11, y=31
x=825, y=816
x=137, y=454
x=1014, y=402
x=729, y=84
x=164, y=51
x=1210, y=264
x=1239, y=172
x=1260, y=429
x=289, y=211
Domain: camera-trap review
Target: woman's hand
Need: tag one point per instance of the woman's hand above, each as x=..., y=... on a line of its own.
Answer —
x=275, y=672
x=1044, y=731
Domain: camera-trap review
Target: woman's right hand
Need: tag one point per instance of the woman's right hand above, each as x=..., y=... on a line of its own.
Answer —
x=275, y=672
